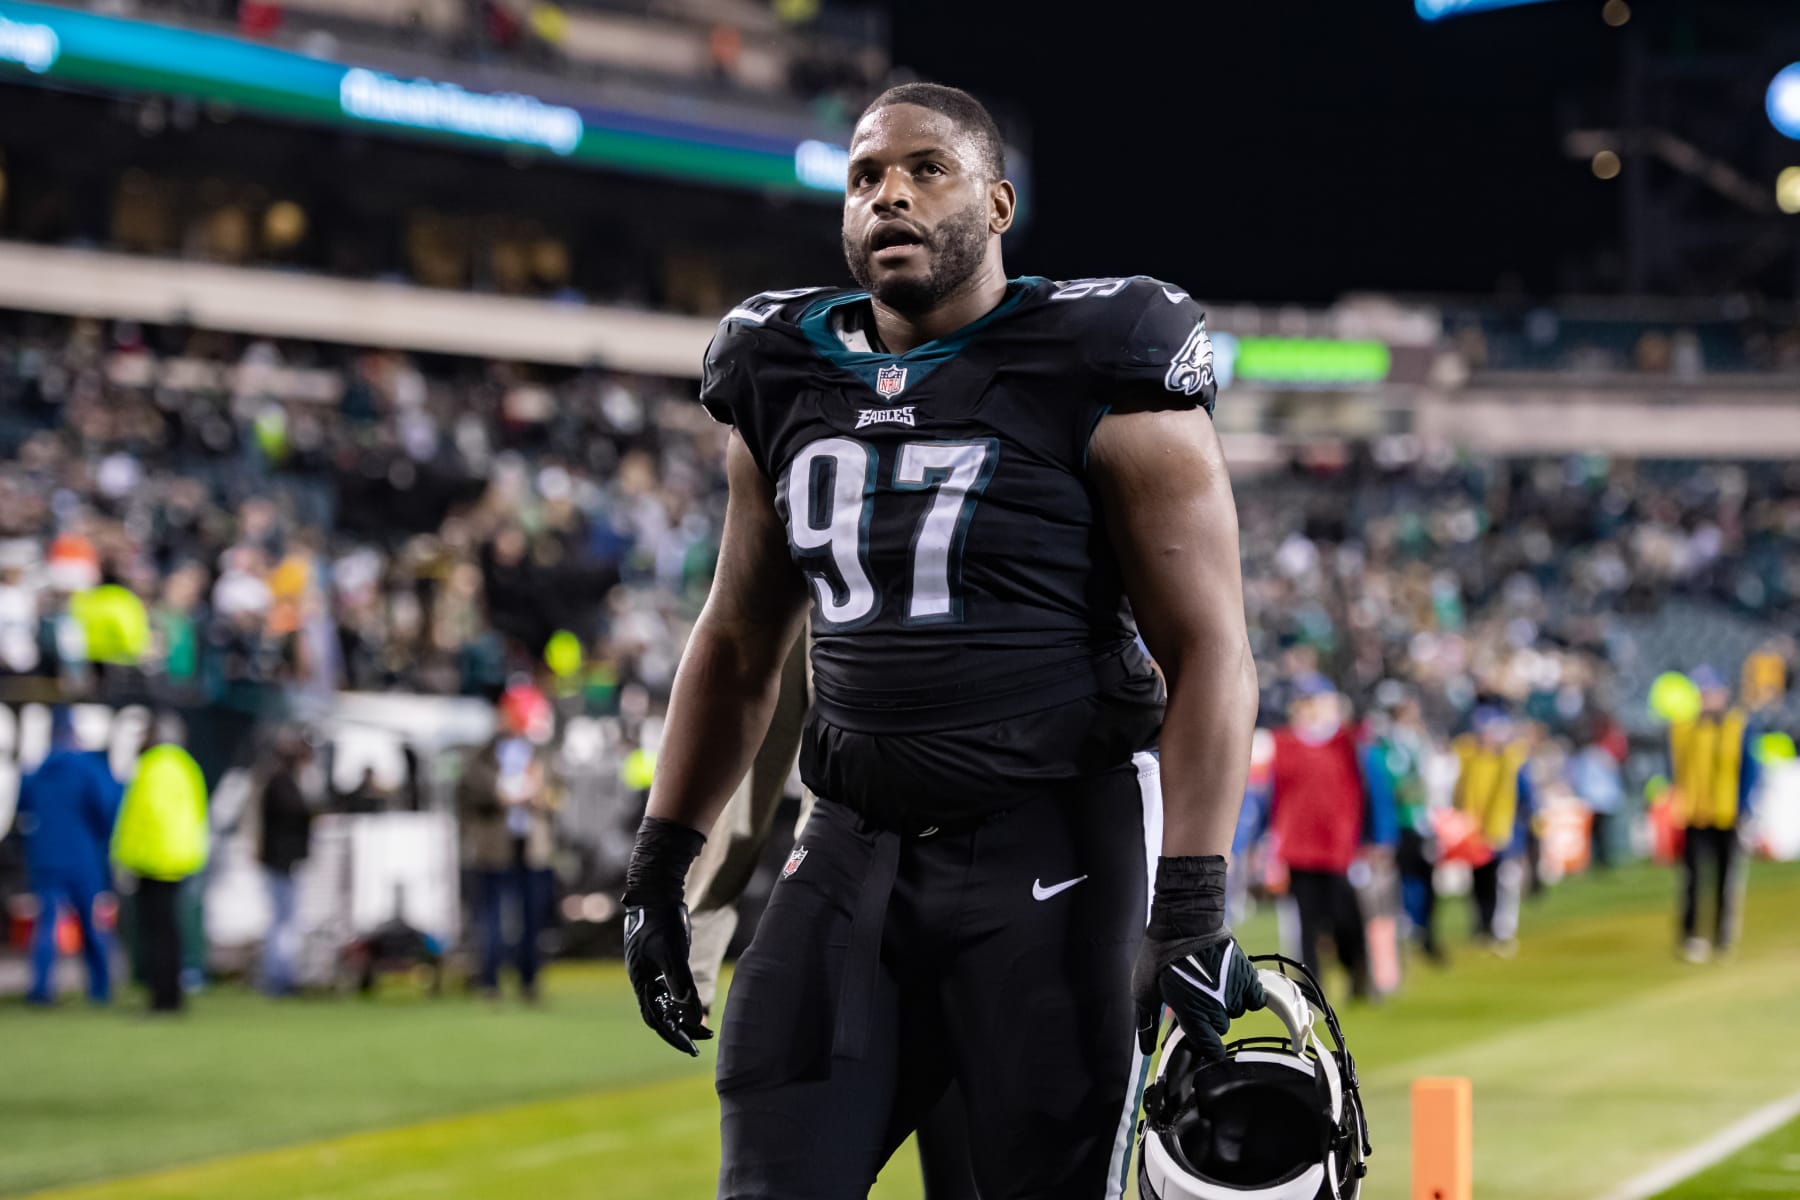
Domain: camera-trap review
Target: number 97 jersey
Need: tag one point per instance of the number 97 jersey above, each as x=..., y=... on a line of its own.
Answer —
x=938, y=501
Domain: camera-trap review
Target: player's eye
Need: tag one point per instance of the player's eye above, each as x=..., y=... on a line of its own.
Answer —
x=930, y=168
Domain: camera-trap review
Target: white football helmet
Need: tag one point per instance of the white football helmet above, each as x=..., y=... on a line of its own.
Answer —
x=1276, y=1119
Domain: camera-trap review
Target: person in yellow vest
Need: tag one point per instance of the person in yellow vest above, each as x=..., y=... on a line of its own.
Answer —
x=1714, y=776
x=161, y=837
x=1493, y=788
x=1764, y=677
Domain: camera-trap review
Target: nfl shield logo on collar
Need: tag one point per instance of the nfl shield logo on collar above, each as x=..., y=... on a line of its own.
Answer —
x=794, y=861
x=890, y=381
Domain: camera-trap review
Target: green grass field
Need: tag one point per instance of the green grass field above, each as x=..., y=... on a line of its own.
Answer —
x=1594, y=1055
x=1768, y=1168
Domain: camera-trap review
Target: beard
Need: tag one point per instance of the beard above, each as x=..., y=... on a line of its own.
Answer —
x=957, y=247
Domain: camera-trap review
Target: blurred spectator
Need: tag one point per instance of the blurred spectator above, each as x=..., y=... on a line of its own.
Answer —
x=1318, y=818
x=1399, y=754
x=1714, y=771
x=258, y=18
x=177, y=623
x=161, y=838
x=285, y=842
x=507, y=800
x=1765, y=674
x=65, y=812
x=725, y=45
x=1493, y=790
x=1247, y=857
x=1595, y=774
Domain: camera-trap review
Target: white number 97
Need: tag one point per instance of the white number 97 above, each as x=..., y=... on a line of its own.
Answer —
x=829, y=494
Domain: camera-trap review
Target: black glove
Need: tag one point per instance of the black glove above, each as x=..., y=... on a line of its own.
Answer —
x=656, y=932
x=1190, y=961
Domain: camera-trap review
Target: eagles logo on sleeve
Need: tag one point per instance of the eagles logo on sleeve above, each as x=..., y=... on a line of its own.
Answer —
x=1191, y=370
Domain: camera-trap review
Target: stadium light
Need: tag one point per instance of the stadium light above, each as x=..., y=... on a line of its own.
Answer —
x=31, y=45
x=1606, y=165
x=1437, y=10
x=284, y=224
x=822, y=165
x=1784, y=101
x=1787, y=191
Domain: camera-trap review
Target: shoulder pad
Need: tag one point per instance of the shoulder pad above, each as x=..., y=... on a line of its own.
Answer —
x=726, y=373
x=1148, y=338
x=782, y=306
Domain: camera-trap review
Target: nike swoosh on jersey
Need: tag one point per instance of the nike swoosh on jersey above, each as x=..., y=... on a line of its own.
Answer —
x=1040, y=892
x=1173, y=296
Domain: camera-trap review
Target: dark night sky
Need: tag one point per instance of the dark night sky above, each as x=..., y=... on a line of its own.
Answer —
x=1298, y=149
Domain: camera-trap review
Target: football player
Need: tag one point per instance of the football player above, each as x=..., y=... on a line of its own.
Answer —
x=965, y=477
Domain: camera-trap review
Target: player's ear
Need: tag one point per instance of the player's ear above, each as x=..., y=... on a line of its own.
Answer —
x=1002, y=204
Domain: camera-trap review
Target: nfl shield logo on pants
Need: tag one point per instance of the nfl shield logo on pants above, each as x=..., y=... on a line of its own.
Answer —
x=890, y=381
x=794, y=861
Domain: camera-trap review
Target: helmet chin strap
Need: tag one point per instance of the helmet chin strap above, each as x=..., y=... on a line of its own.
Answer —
x=1288, y=1003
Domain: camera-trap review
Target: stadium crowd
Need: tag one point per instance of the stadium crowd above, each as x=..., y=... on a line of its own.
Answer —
x=337, y=519
x=198, y=513
x=359, y=519
x=830, y=56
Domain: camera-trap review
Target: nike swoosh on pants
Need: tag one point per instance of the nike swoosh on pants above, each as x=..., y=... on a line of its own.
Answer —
x=1040, y=892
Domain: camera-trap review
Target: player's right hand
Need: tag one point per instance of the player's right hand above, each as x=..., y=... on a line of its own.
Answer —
x=656, y=958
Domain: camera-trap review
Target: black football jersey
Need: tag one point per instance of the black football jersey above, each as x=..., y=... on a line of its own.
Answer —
x=938, y=502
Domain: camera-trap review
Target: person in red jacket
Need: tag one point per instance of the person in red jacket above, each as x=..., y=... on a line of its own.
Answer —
x=1318, y=815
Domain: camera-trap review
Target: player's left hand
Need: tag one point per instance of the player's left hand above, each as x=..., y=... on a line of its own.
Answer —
x=1205, y=985
x=1189, y=960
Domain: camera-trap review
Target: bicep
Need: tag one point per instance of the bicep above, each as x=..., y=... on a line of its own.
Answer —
x=1167, y=500
x=756, y=588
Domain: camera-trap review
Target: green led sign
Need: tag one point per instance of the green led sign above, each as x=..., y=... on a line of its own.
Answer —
x=1318, y=361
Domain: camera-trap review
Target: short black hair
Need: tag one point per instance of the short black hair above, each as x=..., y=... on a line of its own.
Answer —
x=970, y=115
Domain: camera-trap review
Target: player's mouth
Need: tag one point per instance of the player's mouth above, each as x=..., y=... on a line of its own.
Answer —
x=892, y=244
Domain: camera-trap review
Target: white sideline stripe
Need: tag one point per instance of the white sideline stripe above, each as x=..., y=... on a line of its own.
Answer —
x=1722, y=1144
x=581, y=1145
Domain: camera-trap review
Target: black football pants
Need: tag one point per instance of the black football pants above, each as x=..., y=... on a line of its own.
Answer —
x=1716, y=852
x=996, y=955
x=1328, y=908
x=159, y=933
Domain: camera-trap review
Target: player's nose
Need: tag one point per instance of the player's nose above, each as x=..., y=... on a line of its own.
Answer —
x=894, y=192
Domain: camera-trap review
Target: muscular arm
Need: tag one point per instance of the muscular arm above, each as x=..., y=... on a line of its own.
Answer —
x=1167, y=500
x=730, y=673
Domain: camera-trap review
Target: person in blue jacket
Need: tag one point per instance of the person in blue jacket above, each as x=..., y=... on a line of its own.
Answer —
x=65, y=815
